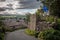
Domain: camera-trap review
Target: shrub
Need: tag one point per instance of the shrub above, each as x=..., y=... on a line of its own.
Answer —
x=1, y=36
x=57, y=25
x=58, y=21
x=49, y=34
x=30, y=32
x=50, y=19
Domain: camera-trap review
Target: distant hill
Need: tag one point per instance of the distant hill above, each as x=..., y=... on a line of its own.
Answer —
x=13, y=15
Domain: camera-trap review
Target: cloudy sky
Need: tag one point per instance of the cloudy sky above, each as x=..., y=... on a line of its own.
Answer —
x=30, y=6
x=27, y=5
x=32, y=11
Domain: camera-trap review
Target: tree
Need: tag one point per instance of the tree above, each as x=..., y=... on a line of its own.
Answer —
x=38, y=15
x=49, y=34
x=28, y=17
x=53, y=6
x=2, y=30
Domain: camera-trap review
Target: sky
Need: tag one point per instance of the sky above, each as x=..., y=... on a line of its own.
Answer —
x=27, y=6
x=32, y=11
x=32, y=8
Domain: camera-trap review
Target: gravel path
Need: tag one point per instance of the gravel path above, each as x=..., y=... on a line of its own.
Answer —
x=18, y=35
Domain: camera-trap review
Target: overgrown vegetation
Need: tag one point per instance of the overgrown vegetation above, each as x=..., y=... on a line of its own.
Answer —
x=53, y=6
x=54, y=32
x=50, y=19
x=49, y=34
x=2, y=30
x=28, y=17
x=30, y=32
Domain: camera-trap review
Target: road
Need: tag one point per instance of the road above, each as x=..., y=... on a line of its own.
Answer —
x=19, y=35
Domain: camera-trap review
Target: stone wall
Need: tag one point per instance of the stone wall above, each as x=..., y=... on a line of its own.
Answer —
x=41, y=25
x=32, y=23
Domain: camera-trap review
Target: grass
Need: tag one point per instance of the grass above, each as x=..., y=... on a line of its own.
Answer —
x=30, y=32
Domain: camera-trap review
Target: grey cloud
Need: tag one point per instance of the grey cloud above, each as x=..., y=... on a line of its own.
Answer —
x=29, y=4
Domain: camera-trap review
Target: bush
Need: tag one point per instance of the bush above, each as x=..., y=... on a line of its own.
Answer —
x=57, y=25
x=49, y=34
x=30, y=32
x=1, y=36
x=50, y=19
x=58, y=21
